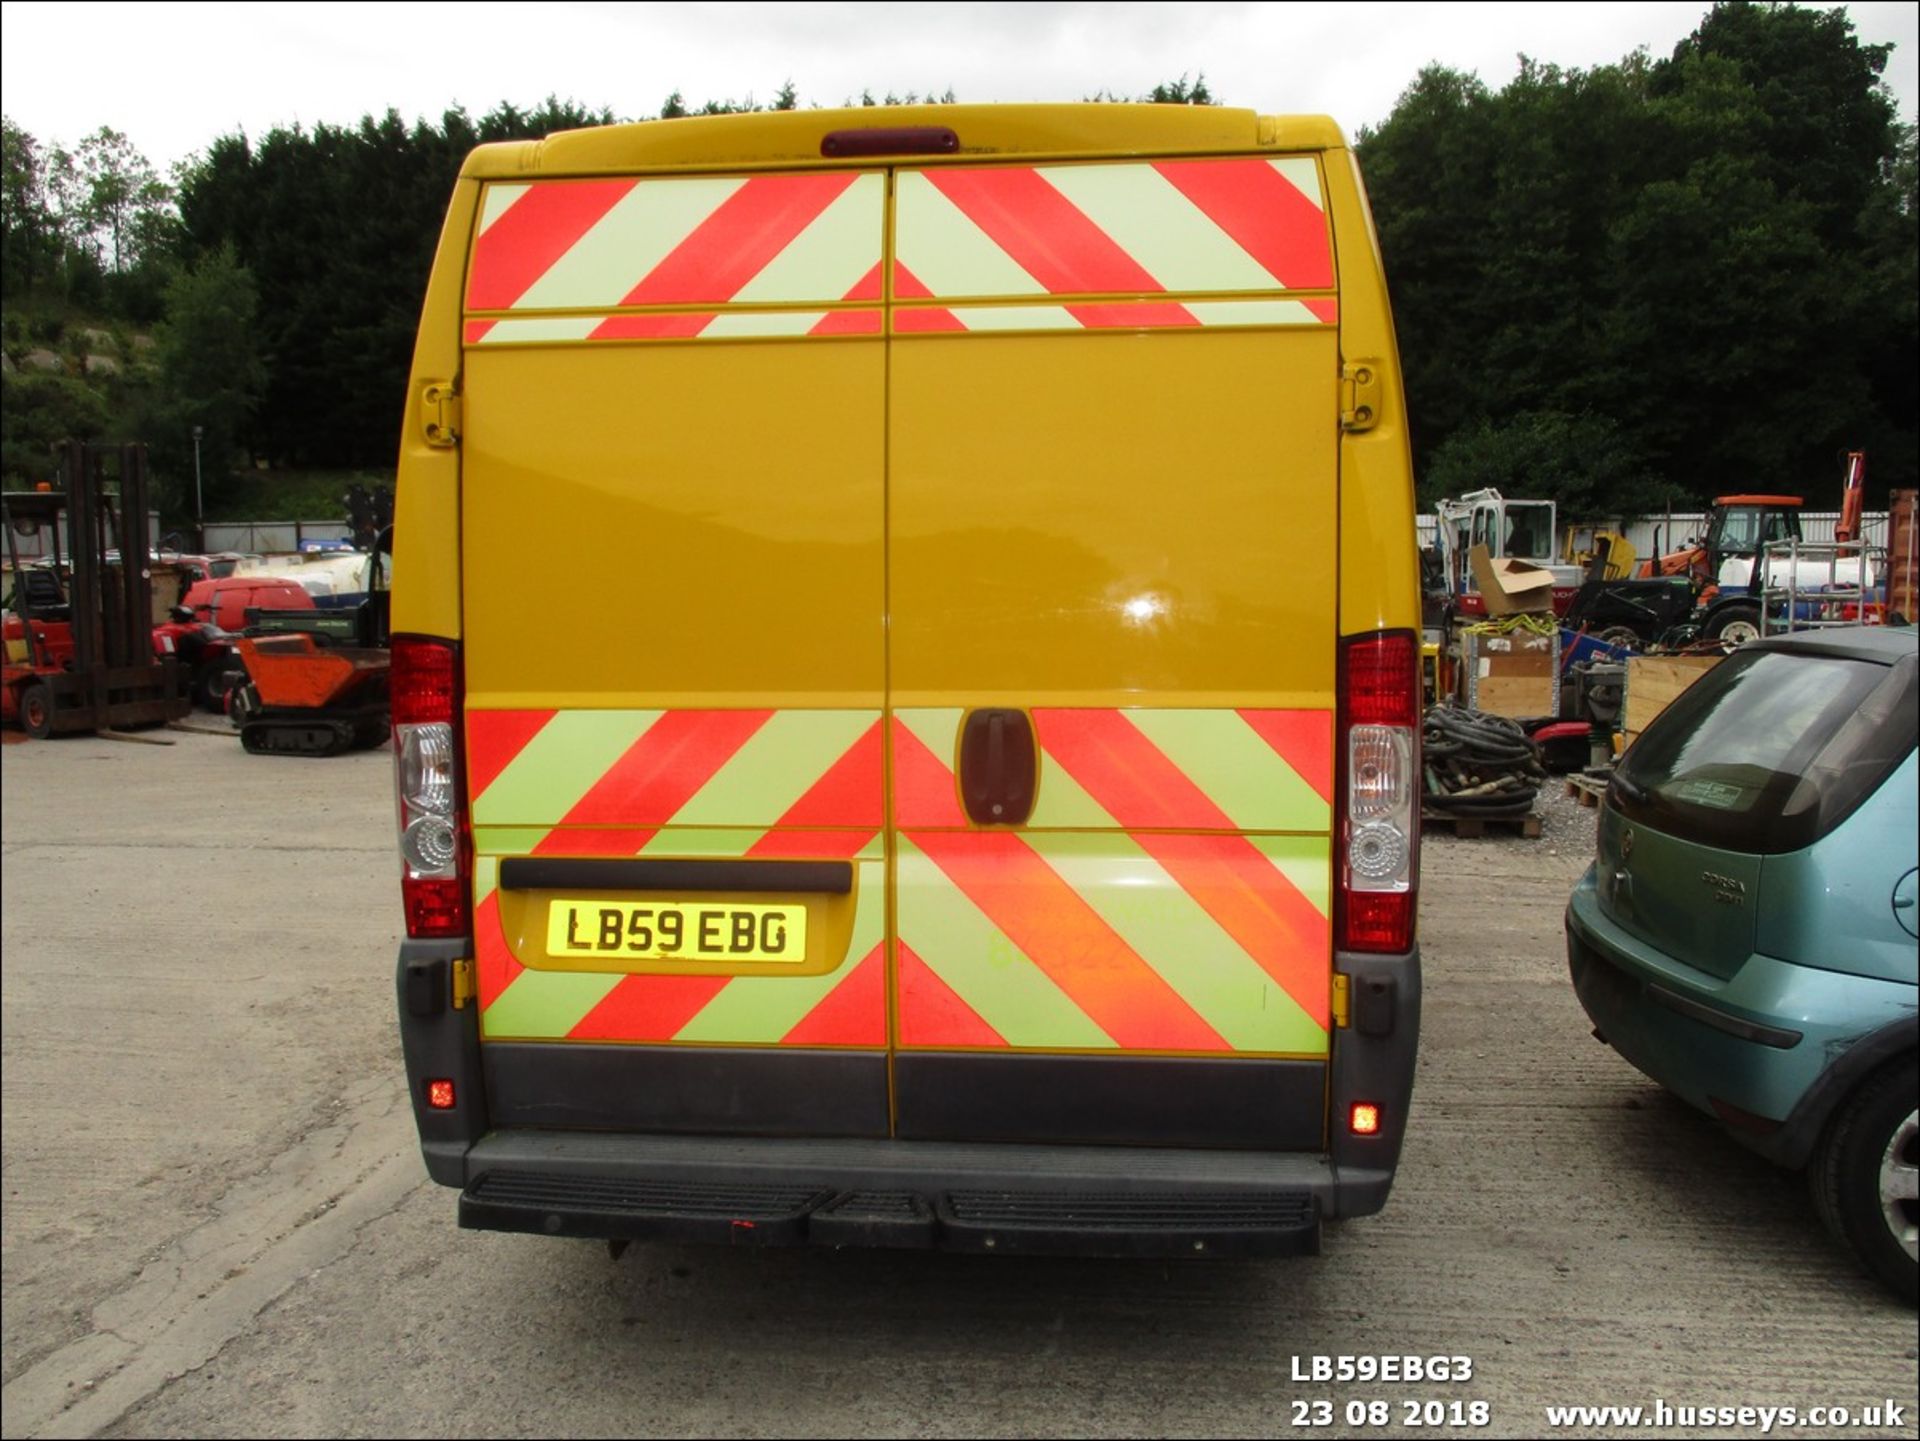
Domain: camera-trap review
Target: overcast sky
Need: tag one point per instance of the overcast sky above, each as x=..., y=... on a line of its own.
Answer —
x=175, y=76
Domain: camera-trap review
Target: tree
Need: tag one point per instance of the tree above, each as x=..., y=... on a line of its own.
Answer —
x=1817, y=105
x=1171, y=92
x=210, y=367
x=1586, y=463
x=1178, y=92
x=28, y=242
x=1706, y=252
x=337, y=227
x=119, y=188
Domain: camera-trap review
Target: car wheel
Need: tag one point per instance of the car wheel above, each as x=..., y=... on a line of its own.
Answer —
x=1866, y=1178
x=1736, y=625
x=36, y=709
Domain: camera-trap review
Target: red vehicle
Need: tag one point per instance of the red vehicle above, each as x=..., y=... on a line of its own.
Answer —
x=226, y=601
x=209, y=653
x=205, y=650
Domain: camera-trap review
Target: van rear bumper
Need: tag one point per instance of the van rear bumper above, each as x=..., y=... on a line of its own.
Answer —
x=561, y=1171
x=1001, y=1198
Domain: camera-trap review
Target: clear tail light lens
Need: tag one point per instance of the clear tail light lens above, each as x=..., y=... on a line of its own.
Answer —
x=1377, y=869
x=433, y=823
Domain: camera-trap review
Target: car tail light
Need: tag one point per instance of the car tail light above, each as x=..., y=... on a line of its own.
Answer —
x=440, y=1095
x=1377, y=870
x=434, y=840
x=1363, y=1118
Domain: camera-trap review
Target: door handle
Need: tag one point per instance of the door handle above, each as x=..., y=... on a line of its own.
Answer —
x=998, y=767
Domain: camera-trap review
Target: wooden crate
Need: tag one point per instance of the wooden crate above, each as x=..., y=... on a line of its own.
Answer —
x=1513, y=675
x=1653, y=684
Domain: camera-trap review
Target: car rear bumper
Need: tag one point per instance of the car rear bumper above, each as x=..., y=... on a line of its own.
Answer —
x=1753, y=1050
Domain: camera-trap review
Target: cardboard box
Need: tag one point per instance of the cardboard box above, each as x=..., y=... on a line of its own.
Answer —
x=1511, y=587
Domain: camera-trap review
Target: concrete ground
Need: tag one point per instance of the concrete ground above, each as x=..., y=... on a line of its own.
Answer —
x=216, y=1221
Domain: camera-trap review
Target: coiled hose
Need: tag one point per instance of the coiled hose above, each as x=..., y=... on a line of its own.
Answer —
x=1479, y=764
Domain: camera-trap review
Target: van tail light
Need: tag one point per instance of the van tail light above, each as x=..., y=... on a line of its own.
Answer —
x=435, y=842
x=1377, y=870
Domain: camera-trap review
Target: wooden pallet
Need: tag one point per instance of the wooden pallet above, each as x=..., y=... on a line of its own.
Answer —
x=1588, y=790
x=1472, y=827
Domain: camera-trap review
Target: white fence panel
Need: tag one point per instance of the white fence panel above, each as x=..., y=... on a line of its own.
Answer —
x=1816, y=526
x=266, y=537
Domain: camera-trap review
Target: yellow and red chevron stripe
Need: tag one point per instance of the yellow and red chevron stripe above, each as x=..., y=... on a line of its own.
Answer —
x=674, y=325
x=844, y=1007
x=1112, y=315
x=1138, y=769
x=645, y=769
x=786, y=784
x=691, y=243
x=1149, y=920
x=1187, y=227
x=686, y=258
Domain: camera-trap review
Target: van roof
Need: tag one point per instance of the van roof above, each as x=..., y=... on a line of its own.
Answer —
x=793, y=137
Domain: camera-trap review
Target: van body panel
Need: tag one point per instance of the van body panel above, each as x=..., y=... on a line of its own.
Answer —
x=1035, y=562
x=614, y=492
x=1377, y=536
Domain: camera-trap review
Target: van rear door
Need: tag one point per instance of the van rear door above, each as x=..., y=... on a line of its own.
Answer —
x=672, y=513
x=1112, y=545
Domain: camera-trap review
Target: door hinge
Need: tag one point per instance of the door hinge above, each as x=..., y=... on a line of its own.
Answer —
x=1359, y=394
x=1342, y=1006
x=440, y=413
x=462, y=983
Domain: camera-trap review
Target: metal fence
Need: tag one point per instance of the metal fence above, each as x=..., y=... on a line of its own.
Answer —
x=264, y=537
x=1816, y=526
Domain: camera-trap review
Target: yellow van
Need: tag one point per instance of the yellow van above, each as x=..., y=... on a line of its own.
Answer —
x=905, y=684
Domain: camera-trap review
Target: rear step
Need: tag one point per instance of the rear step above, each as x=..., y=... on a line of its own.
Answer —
x=1082, y=1223
x=611, y=1209
x=1090, y=1223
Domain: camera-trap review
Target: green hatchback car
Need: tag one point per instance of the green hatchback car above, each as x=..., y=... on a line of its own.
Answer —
x=1746, y=936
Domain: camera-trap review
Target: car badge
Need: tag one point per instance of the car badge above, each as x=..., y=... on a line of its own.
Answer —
x=1626, y=843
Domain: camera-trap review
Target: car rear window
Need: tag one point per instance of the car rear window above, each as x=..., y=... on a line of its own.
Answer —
x=1770, y=750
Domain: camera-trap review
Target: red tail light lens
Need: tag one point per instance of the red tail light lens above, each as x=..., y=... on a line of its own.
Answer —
x=435, y=841
x=1381, y=681
x=424, y=681
x=1377, y=870
x=1379, y=922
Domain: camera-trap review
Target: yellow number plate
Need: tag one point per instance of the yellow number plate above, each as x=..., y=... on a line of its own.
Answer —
x=661, y=930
